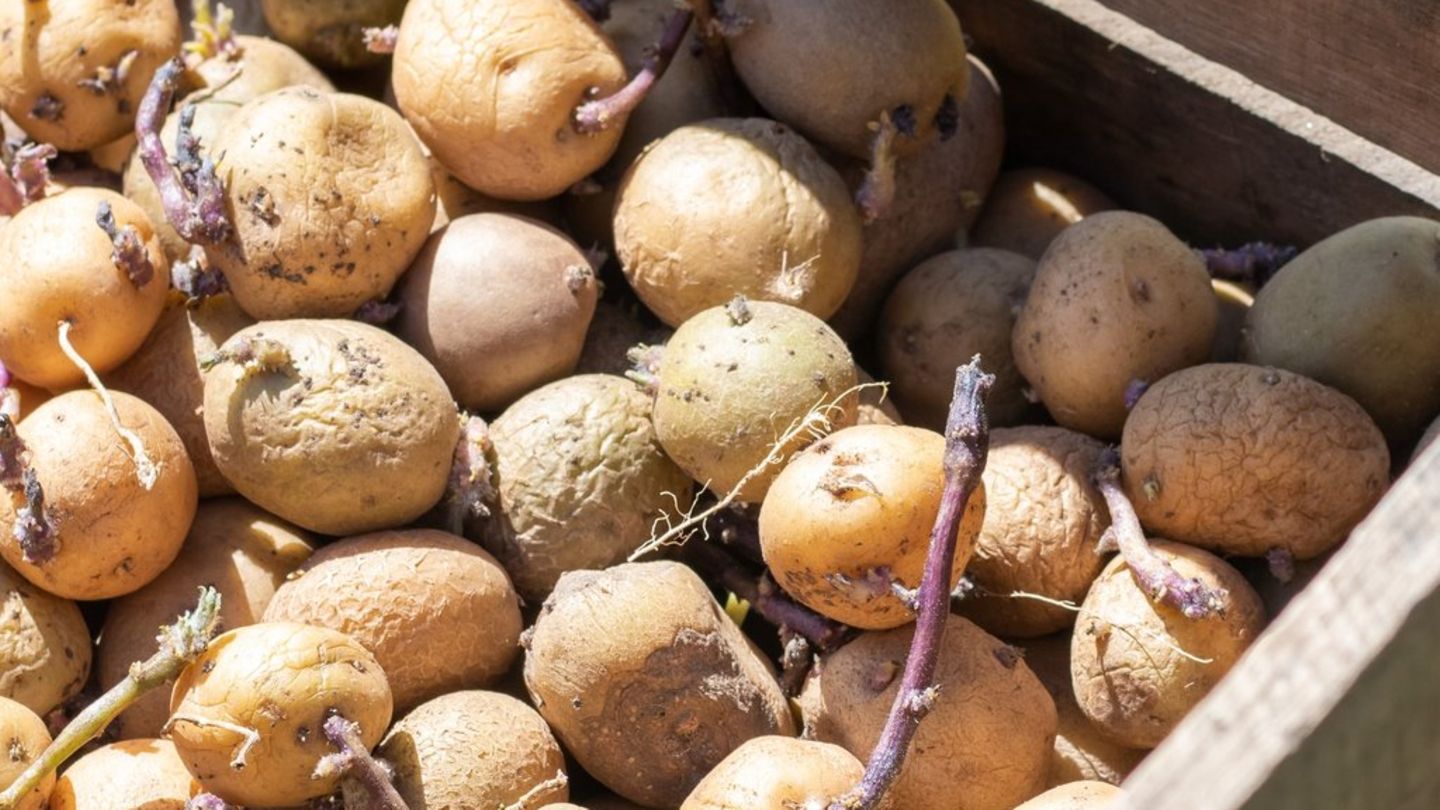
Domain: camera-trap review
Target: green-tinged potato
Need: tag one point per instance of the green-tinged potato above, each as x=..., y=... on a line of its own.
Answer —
x=332, y=32
x=1076, y=796
x=475, y=749
x=260, y=695
x=1235, y=302
x=234, y=547
x=128, y=775
x=1242, y=459
x=646, y=681
x=1138, y=666
x=335, y=426
x=44, y=645
x=25, y=737
x=985, y=745
x=944, y=312
x=735, y=379
x=111, y=534
x=777, y=772
x=616, y=328
x=1357, y=312
x=852, y=514
x=527, y=326
x=436, y=611
x=492, y=85
x=1116, y=299
x=1028, y=208
x=736, y=206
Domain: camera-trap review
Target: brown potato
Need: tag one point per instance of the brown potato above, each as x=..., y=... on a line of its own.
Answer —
x=331, y=31
x=791, y=233
x=1242, y=459
x=29, y=397
x=1076, y=796
x=454, y=200
x=876, y=405
x=1117, y=298
x=145, y=774
x=25, y=737
x=1029, y=207
x=777, y=772
x=613, y=664
x=44, y=645
x=616, y=328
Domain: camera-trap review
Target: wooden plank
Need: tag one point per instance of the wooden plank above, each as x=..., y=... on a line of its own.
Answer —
x=1372, y=65
x=1166, y=131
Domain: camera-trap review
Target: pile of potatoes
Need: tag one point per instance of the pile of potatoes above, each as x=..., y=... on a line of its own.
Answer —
x=476, y=371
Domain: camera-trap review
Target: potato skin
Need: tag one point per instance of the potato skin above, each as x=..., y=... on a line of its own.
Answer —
x=1430, y=437
x=791, y=233
x=437, y=612
x=1241, y=459
x=331, y=31
x=44, y=645
x=984, y=746
x=862, y=499
x=1116, y=298
x=355, y=432
x=56, y=266
x=473, y=749
x=238, y=549
x=146, y=774
x=613, y=664
x=25, y=737
x=282, y=681
x=1029, y=207
x=491, y=86
x=777, y=772
x=1076, y=796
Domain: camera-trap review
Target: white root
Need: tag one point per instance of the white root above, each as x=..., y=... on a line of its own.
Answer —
x=250, y=735
x=559, y=780
x=145, y=469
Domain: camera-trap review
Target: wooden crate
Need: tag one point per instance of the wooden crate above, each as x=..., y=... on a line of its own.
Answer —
x=1337, y=705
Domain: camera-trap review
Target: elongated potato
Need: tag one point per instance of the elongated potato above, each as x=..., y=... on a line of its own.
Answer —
x=25, y=738
x=777, y=772
x=146, y=774
x=1029, y=207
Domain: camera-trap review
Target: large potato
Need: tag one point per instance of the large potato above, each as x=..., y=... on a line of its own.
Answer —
x=25, y=738
x=778, y=772
x=1029, y=207
x=44, y=645
x=127, y=775
x=332, y=32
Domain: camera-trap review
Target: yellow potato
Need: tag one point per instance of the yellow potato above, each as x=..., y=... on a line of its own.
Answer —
x=145, y=774
x=1028, y=208
x=778, y=772
x=44, y=645
x=1076, y=796
x=25, y=737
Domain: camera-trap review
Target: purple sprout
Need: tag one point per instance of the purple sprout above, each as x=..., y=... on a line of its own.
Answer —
x=31, y=170
x=13, y=454
x=127, y=251
x=191, y=193
x=364, y=780
x=877, y=191
x=471, y=490
x=597, y=115
x=1255, y=263
x=195, y=279
x=381, y=40
x=33, y=529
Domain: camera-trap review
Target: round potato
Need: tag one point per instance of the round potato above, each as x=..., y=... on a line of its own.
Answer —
x=146, y=774
x=777, y=772
x=44, y=645
x=1029, y=207
x=25, y=737
x=1076, y=796
x=332, y=32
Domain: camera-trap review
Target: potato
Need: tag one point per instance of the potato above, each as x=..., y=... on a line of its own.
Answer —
x=735, y=379
x=777, y=772
x=1076, y=796
x=259, y=695
x=1431, y=436
x=736, y=206
x=986, y=743
x=528, y=326
x=876, y=406
x=1029, y=207
x=44, y=645
x=72, y=74
x=454, y=200
x=475, y=749
x=1116, y=298
x=331, y=31
x=492, y=85
x=111, y=534
x=853, y=513
x=583, y=448
x=1357, y=312
x=25, y=738
x=1138, y=667
x=616, y=328
x=437, y=612
x=56, y=265
x=335, y=426
x=799, y=58
x=948, y=309
x=1242, y=459
x=1043, y=521
x=615, y=662
x=234, y=547
x=1235, y=301
x=146, y=774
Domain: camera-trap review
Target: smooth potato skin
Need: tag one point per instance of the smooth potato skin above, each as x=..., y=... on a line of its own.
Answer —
x=1076, y=796
x=1241, y=459
x=146, y=774
x=44, y=645
x=331, y=31
x=25, y=737
x=1029, y=207
x=777, y=772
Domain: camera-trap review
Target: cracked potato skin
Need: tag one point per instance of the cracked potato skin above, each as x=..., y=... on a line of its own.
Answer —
x=1241, y=459
x=775, y=771
x=146, y=774
x=25, y=736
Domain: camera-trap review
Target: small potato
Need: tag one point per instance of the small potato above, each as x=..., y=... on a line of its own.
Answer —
x=1242, y=459
x=111, y=534
x=437, y=612
x=852, y=514
x=475, y=749
x=145, y=774
x=948, y=309
x=1117, y=298
x=260, y=695
x=1076, y=796
x=25, y=737
x=777, y=772
x=984, y=746
x=525, y=330
x=44, y=645
x=333, y=425
x=1028, y=208
x=646, y=681
x=736, y=206
x=332, y=32
x=234, y=547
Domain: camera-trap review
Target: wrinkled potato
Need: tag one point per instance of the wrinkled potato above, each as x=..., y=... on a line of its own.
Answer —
x=1117, y=298
x=145, y=774
x=475, y=749
x=948, y=309
x=525, y=330
x=260, y=695
x=1029, y=207
x=615, y=329
x=1138, y=666
x=1076, y=796
x=787, y=229
x=777, y=772
x=234, y=547
x=72, y=74
x=1235, y=301
x=437, y=612
x=984, y=746
x=112, y=535
x=44, y=645
x=492, y=85
x=25, y=737
x=852, y=513
x=332, y=32
x=735, y=379
x=613, y=662
x=335, y=426
x=1242, y=459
